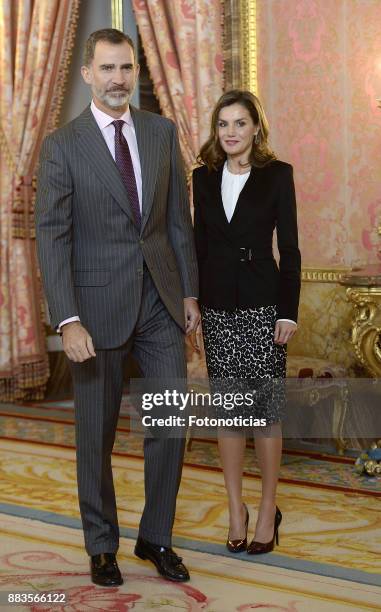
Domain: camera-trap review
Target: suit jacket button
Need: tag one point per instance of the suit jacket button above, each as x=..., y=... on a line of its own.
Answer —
x=140, y=272
x=141, y=242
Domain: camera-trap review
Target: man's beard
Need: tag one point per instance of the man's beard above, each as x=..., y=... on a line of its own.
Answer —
x=113, y=101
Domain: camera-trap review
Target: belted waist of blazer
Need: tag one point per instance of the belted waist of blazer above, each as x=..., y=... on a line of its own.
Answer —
x=240, y=253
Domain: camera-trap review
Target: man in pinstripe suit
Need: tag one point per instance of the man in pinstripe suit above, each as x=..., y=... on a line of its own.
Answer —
x=117, y=258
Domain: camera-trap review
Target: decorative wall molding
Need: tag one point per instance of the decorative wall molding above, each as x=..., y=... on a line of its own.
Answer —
x=248, y=45
x=231, y=44
x=117, y=14
x=324, y=275
x=240, y=44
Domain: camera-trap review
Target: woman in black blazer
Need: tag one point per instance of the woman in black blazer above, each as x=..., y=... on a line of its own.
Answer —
x=249, y=305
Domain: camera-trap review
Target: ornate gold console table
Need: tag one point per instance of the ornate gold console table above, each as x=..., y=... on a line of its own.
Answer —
x=364, y=292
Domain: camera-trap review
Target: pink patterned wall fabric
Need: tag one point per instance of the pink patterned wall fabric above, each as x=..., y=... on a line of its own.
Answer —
x=183, y=44
x=319, y=77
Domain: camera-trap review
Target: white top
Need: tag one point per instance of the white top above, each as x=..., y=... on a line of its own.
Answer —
x=231, y=187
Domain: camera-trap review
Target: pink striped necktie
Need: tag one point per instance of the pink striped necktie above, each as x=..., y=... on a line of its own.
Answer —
x=124, y=162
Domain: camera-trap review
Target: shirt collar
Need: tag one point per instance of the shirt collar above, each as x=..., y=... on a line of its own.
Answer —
x=103, y=119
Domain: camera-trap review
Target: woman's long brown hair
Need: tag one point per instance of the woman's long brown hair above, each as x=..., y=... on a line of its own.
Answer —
x=212, y=154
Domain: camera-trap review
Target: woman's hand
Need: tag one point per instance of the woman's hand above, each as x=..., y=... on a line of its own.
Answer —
x=284, y=331
x=197, y=340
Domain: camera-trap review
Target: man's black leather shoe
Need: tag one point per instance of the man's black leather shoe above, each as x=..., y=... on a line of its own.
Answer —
x=168, y=564
x=105, y=570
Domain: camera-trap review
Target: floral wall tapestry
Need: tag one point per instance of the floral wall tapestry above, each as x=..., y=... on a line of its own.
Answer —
x=36, y=37
x=319, y=77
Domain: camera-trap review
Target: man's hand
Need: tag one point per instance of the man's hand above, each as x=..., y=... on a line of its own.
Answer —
x=192, y=315
x=77, y=342
x=284, y=331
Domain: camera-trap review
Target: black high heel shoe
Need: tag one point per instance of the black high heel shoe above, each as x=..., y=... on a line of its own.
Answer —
x=259, y=548
x=237, y=546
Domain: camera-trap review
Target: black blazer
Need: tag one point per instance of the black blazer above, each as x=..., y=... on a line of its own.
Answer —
x=236, y=263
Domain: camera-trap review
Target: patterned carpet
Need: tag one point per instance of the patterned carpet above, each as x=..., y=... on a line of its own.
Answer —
x=330, y=540
x=53, y=423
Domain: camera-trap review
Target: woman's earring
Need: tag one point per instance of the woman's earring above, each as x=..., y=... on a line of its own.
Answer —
x=256, y=139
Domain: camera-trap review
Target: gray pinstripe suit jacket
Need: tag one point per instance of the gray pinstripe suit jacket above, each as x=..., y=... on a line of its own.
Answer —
x=90, y=251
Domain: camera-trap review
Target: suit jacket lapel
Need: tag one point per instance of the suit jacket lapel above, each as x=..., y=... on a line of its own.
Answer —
x=216, y=178
x=146, y=133
x=93, y=147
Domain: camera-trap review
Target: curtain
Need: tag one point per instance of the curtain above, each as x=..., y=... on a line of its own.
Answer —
x=182, y=42
x=36, y=38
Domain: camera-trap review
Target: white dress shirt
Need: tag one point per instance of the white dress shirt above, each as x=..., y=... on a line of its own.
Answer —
x=105, y=125
x=231, y=187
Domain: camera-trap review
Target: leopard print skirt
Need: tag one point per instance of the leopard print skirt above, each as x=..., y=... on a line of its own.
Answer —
x=241, y=354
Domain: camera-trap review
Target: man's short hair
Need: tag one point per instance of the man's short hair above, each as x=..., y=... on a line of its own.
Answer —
x=110, y=35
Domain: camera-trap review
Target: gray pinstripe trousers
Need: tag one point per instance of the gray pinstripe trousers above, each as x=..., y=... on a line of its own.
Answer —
x=158, y=346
